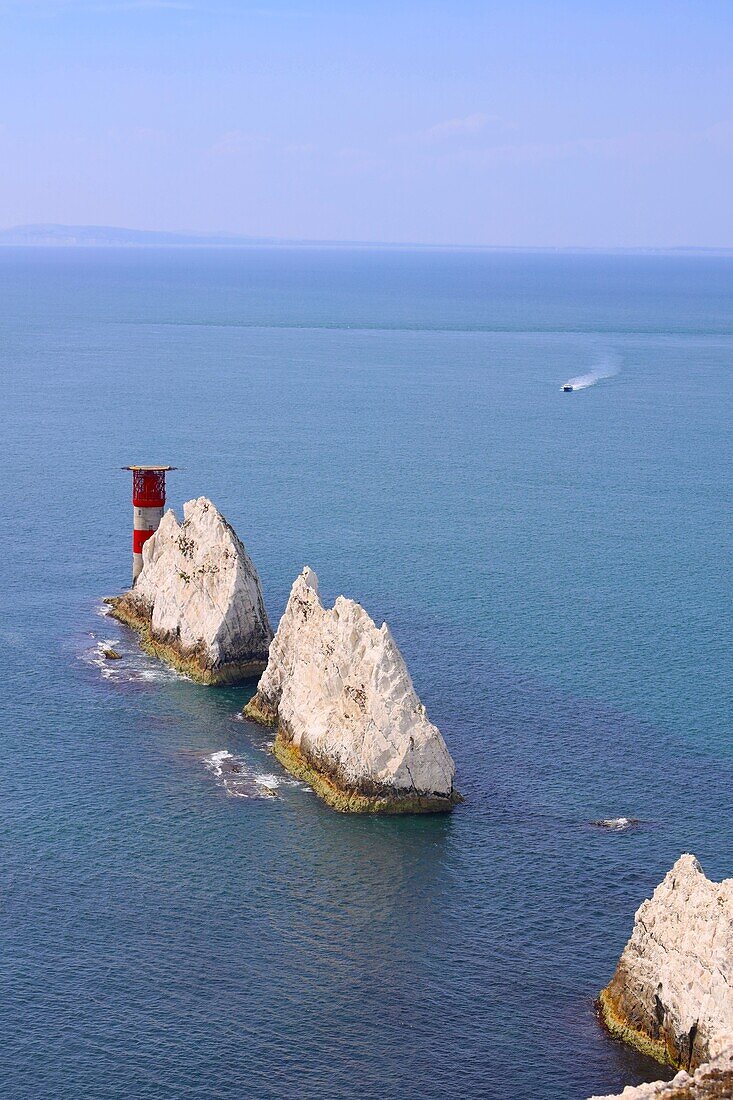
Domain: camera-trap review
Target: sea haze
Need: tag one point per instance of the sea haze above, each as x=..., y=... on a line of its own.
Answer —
x=181, y=920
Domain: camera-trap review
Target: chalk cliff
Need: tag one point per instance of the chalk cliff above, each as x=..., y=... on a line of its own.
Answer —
x=713, y=1081
x=672, y=993
x=198, y=601
x=348, y=719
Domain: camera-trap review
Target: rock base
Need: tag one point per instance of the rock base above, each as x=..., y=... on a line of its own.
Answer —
x=622, y=1028
x=190, y=662
x=334, y=794
x=259, y=711
x=353, y=802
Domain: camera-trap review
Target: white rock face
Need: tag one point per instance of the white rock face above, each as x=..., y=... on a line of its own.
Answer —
x=339, y=688
x=201, y=592
x=673, y=987
x=713, y=1081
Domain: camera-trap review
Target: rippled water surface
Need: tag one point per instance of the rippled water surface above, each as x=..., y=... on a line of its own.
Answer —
x=178, y=917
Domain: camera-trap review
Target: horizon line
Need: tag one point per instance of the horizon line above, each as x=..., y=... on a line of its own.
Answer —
x=62, y=235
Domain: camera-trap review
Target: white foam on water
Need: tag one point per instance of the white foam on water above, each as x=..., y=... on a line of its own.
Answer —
x=133, y=666
x=274, y=782
x=96, y=657
x=237, y=778
x=617, y=824
x=270, y=781
x=216, y=760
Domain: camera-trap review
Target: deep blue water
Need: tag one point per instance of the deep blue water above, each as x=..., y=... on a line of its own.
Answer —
x=556, y=569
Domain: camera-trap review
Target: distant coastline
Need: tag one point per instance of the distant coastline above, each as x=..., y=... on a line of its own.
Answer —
x=105, y=236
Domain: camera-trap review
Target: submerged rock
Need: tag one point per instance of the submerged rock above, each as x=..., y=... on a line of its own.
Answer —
x=616, y=824
x=347, y=716
x=672, y=993
x=198, y=601
x=713, y=1081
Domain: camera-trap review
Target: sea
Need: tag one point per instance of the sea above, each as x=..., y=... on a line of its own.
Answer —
x=178, y=917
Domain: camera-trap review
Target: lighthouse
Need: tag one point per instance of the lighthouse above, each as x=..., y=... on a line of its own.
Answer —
x=148, y=501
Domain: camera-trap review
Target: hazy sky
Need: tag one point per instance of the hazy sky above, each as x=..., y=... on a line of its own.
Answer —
x=601, y=122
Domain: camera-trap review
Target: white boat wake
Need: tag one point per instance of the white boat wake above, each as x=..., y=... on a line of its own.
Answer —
x=583, y=381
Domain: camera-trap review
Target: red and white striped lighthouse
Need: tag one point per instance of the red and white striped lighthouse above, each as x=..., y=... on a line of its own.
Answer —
x=148, y=501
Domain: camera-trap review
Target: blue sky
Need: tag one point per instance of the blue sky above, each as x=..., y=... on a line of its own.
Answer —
x=601, y=123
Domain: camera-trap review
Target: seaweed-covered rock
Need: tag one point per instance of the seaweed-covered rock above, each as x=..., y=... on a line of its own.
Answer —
x=198, y=601
x=348, y=719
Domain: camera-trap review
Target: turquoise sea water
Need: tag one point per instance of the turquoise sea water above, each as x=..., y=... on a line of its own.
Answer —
x=555, y=568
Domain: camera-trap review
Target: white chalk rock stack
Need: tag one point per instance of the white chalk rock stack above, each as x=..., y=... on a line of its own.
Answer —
x=348, y=718
x=198, y=601
x=672, y=993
